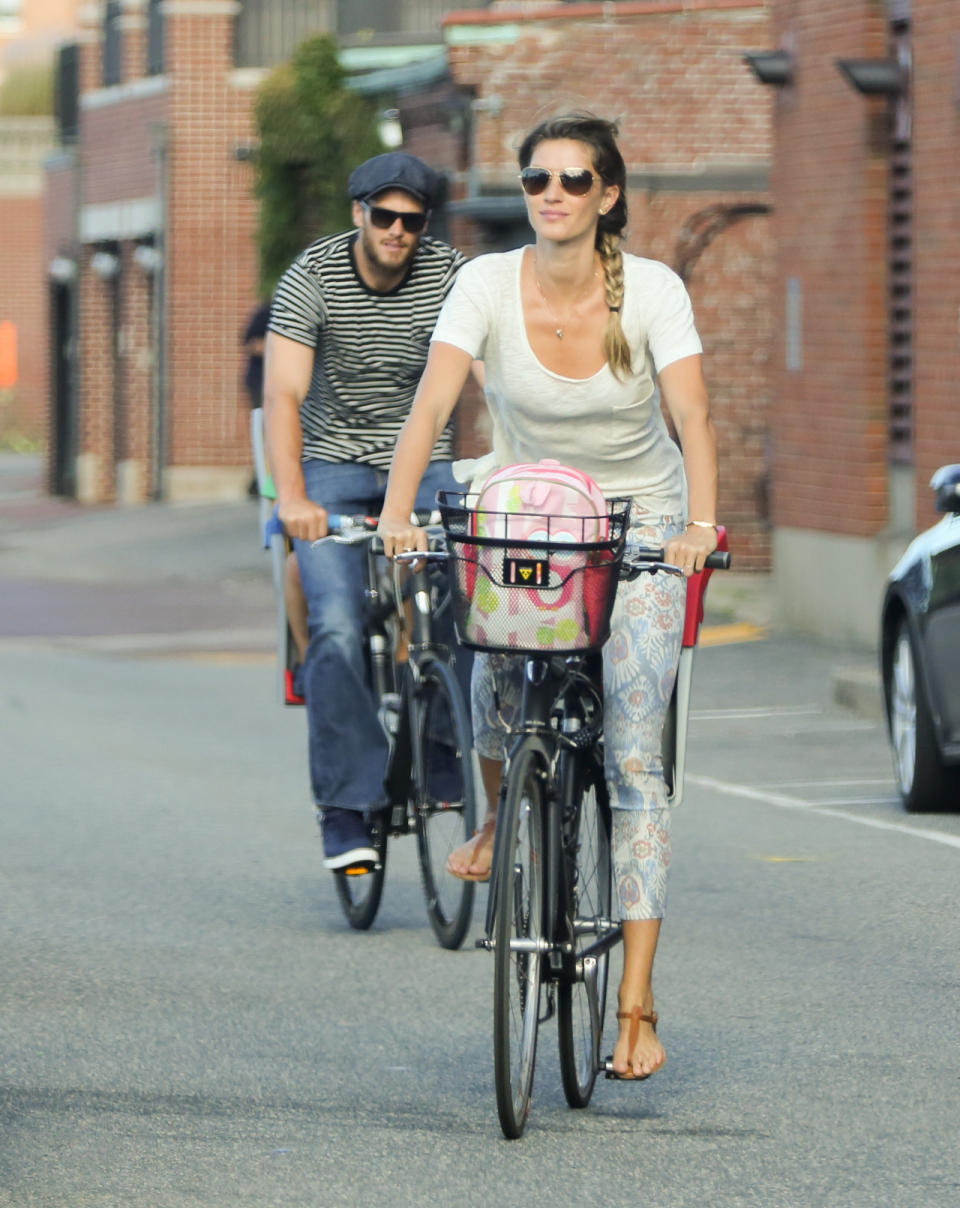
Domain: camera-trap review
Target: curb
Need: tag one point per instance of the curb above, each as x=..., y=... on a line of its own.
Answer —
x=858, y=689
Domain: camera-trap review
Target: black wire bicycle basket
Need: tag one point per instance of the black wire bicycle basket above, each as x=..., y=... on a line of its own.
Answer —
x=527, y=583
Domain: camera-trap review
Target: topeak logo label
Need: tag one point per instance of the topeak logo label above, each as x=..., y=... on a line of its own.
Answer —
x=526, y=572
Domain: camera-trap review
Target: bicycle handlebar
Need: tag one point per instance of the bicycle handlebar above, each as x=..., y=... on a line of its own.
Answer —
x=651, y=561
x=340, y=524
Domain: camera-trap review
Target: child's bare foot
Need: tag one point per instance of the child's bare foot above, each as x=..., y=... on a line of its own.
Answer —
x=471, y=860
x=638, y=1052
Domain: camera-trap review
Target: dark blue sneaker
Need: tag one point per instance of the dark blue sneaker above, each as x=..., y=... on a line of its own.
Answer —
x=346, y=839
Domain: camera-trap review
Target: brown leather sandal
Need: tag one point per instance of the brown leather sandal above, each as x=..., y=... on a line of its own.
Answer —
x=488, y=827
x=635, y=1016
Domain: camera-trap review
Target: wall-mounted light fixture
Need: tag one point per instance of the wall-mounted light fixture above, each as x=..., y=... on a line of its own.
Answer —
x=390, y=129
x=771, y=66
x=62, y=269
x=884, y=77
x=105, y=265
x=492, y=104
x=148, y=257
x=875, y=77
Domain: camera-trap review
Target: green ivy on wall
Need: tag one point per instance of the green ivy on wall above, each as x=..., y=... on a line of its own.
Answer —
x=313, y=132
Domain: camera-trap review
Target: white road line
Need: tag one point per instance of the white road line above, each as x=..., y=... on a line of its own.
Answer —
x=783, y=801
x=757, y=711
x=823, y=720
x=862, y=782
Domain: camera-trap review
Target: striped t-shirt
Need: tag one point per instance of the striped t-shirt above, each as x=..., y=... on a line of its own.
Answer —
x=371, y=348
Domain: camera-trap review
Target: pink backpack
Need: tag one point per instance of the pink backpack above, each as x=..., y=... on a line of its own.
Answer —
x=537, y=599
x=523, y=496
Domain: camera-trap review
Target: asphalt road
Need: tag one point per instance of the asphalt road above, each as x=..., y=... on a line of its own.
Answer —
x=186, y=1020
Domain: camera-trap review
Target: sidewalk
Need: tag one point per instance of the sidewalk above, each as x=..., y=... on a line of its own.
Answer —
x=154, y=577
x=184, y=577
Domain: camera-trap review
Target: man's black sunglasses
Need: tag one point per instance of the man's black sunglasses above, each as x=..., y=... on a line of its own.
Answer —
x=413, y=220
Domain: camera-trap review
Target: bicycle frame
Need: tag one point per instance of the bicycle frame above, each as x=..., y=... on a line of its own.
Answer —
x=429, y=780
x=547, y=910
x=543, y=680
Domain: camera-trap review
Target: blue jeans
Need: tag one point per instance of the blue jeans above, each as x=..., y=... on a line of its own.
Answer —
x=348, y=749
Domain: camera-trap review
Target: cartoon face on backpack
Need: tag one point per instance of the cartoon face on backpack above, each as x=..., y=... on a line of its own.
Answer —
x=537, y=595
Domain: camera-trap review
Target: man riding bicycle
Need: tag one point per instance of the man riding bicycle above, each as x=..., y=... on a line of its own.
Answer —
x=348, y=340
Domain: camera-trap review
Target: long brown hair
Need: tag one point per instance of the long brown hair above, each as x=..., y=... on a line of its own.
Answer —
x=601, y=137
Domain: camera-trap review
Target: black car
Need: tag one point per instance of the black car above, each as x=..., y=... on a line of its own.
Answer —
x=920, y=657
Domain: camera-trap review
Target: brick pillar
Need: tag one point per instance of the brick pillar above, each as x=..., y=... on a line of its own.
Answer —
x=90, y=41
x=133, y=24
x=211, y=277
x=133, y=470
x=829, y=365
x=95, y=474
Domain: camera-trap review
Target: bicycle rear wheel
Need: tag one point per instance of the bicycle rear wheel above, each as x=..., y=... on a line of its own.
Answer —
x=360, y=893
x=518, y=935
x=587, y=863
x=445, y=798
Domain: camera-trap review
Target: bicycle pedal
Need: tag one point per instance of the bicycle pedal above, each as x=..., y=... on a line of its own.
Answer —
x=359, y=870
x=612, y=1076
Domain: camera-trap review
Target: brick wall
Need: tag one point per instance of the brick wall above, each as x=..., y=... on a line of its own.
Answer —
x=211, y=257
x=119, y=163
x=936, y=117
x=829, y=424
x=671, y=72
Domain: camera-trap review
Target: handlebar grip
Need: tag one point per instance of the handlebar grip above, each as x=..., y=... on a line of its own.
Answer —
x=718, y=560
x=337, y=522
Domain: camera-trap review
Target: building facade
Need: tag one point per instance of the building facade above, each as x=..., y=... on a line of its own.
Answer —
x=30, y=30
x=865, y=360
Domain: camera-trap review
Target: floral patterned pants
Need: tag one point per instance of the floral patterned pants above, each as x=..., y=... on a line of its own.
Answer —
x=639, y=668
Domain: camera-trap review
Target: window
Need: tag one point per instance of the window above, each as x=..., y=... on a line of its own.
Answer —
x=155, y=62
x=112, y=44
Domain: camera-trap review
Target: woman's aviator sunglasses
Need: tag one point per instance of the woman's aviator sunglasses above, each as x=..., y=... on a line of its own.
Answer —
x=576, y=181
x=413, y=220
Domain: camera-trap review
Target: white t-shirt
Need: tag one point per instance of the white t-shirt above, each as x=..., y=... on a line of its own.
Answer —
x=612, y=430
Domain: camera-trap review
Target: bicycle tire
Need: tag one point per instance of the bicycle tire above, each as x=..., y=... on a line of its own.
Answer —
x=360, y=894
x=520, y=915
x=445, y=803
x=587, y=865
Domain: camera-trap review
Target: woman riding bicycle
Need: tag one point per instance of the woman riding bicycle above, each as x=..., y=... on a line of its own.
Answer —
x=576, y=336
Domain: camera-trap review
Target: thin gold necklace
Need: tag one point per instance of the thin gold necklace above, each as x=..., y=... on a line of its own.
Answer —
x=558, y=330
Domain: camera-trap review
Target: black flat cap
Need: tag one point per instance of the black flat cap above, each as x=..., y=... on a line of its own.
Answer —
x=395, y=170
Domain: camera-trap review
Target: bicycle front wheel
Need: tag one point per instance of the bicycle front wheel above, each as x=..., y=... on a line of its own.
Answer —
x=360, y=893
x=445, y=798
x=519, y=937
x=588, y=875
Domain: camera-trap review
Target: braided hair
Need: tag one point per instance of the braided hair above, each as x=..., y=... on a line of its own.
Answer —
x=600, y=136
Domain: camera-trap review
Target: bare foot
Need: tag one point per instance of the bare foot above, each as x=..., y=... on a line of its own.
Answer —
x=638, y=1052
x=471, y=860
